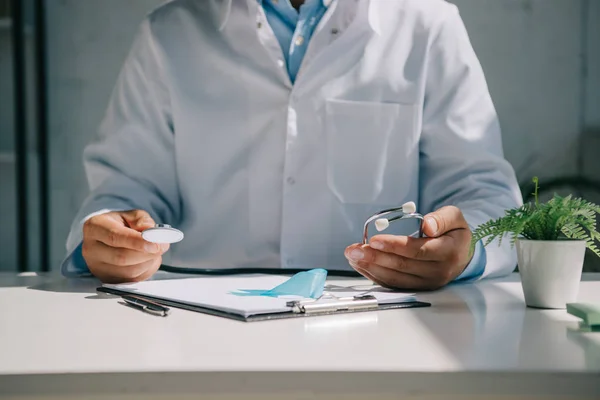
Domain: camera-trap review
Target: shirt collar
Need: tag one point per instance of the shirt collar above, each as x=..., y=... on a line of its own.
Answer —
x=326, y=3
x=222, y=10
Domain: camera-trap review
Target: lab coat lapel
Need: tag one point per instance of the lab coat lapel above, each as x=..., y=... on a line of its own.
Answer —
x=220, y=10
x=338, y=43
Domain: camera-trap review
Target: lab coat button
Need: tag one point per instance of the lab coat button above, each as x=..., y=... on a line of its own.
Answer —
x=291, y=180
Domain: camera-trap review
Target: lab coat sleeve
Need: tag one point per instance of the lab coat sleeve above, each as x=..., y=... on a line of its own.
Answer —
x=461, y=156
x=131, y=163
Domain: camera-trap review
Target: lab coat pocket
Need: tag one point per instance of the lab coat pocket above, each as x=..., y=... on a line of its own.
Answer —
x=361, y=137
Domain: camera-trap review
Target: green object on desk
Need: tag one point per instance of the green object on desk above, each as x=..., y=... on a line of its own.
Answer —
x=589, y=313
x=583, y=327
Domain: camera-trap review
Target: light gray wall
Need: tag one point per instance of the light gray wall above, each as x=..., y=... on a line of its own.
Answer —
x=531, y=51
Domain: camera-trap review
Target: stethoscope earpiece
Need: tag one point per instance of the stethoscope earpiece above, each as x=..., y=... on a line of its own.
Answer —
x=407, y=211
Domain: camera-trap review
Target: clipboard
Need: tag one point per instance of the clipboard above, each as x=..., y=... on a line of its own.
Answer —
x=327, y=304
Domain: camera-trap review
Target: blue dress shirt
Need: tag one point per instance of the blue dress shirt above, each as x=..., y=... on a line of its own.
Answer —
x=294, y=28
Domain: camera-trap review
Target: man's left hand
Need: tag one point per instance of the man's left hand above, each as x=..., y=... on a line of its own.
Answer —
x=427, y=263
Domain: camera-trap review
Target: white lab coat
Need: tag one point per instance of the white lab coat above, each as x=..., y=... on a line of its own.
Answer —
x=206, y=132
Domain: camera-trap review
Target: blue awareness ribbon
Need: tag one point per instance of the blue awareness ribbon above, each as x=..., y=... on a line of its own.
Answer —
x=307, y=284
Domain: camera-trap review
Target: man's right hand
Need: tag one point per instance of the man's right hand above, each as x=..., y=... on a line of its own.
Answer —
x=114, y=249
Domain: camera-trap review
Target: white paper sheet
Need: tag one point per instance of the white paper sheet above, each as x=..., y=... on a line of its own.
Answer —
x=215, y=293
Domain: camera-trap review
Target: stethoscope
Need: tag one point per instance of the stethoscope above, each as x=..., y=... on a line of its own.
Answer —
x=162, y=233
x=407, y=211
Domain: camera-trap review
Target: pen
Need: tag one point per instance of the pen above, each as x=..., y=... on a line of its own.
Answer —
x=146, y=305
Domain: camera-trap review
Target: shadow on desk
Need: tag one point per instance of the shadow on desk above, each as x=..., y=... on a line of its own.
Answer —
x=60, y=284
x=49, y=283
x=64, y=285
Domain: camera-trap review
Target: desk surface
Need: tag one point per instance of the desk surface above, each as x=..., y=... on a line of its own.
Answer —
x=475, y=338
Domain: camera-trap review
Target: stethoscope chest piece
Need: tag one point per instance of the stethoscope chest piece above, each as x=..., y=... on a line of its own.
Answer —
x=162, y=233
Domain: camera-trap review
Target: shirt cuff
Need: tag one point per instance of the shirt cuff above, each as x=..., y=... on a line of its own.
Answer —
x=476, y=267
x=74, y=265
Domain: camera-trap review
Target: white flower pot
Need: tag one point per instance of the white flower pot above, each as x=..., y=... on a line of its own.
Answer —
x=550, y=271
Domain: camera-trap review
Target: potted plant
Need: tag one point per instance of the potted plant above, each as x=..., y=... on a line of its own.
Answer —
x=551, y=239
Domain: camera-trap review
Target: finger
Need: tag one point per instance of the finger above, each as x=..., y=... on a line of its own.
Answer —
x=119, y=256
x=356, y=265
x=164, y=247
x=444, y=220
x=96, y=253
x=426, y=249
x=350, y=254
x=396, y=262
x=138, y=219
x=433, y=276
x=134, y=273
x=394, y=279
x=151, y=270
x=366, y=274
x=114, y=234
x=148, y=274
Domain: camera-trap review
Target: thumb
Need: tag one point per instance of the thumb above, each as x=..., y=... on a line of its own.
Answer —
x=444, y=220
x=138, y=219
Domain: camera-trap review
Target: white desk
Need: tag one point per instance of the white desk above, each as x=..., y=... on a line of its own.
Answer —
x=60, y=340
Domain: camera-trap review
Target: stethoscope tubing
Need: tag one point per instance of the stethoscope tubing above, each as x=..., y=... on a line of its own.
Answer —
x=291, y=271
x=250, y=271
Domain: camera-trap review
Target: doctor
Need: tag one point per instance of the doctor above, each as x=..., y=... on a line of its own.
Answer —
x=268, y=131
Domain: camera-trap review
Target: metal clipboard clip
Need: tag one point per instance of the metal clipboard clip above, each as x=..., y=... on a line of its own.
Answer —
x=329, y=303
